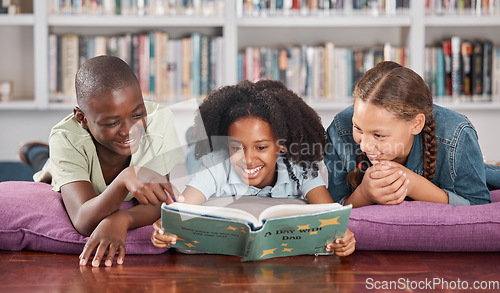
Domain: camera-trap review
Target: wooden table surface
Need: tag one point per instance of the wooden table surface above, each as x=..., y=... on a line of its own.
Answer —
x=364, y=271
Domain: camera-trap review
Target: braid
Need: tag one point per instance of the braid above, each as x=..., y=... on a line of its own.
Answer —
x=356, y=176
x=290, y=171
x=430, y=147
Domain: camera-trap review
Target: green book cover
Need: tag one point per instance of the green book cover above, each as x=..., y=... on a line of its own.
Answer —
x=279, y=230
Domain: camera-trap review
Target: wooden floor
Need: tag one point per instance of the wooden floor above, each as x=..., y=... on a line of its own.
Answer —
x=364, y=271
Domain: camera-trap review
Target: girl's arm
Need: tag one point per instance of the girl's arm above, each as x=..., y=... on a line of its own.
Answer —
x=319, y=195
x=343, y=246
x=381, y=184
x=419, y=188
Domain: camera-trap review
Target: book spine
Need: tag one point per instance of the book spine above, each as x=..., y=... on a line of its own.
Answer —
x=152, y=63
x=82, y=50
x=329, y=71
x=282, y=63
x=161, y=43
x=293, y=69
x=69, y=64
x=447, y=66
x=487, y=64
x=59, y=65
x=134, y=51
x=466, y=69
x=496, y=75
x=440, y=73
x=240, y=66
x=52, y=64
x=143, y=52
x=455, y=67
x=171, y=70
x=196, y=64
x=187, y=91
x=477, y=69
x=205, y=65
x=256, y=64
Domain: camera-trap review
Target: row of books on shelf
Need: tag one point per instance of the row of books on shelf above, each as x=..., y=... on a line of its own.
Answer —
x=321, y=7
x=138, y=7
x=326, y=72
x=463, y=70
x=168, y=70
x=15, y=7
x=462, y=7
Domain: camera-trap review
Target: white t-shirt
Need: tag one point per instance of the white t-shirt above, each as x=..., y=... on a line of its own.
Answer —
x=217, y=177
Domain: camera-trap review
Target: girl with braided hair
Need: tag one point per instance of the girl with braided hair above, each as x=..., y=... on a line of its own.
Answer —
x=258, y=139
x=395, y=144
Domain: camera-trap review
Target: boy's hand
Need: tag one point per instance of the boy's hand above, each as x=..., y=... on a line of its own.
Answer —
x=343, y=246
x=159, y=238
x=385, y=183
x=110, y=235
x=147, y=186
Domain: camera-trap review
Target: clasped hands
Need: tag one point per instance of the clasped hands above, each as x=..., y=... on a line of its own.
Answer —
x=386, y=182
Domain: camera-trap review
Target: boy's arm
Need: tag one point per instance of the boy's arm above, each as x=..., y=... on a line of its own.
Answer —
x=111, y=232
x=86, y=209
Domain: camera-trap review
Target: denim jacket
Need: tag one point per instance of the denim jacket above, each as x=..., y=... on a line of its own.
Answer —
x=460, y=169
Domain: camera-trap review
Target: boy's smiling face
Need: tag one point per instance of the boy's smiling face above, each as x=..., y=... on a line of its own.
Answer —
x=117, y=122
x=254, y=151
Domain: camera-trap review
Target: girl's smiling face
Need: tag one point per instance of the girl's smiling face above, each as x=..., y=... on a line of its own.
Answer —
x=254, y=151
x=381, y=135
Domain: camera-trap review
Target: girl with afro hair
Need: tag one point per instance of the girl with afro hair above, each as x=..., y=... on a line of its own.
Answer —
x=258, y=139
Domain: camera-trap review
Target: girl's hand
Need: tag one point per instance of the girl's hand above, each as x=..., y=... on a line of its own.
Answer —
x=343, y=246
x=385, y=183
x=159, y=238
x=147, y=186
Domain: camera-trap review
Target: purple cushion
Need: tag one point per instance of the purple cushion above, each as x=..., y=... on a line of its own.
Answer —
x=33, y=217
x=423, y=226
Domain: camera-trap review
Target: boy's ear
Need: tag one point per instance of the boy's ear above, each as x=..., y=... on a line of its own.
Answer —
x=80, y=117
x=418, y=124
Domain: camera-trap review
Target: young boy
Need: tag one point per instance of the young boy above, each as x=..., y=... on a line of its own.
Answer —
x=113, y=147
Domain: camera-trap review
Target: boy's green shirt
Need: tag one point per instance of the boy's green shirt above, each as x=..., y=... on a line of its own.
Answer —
x=73, y=155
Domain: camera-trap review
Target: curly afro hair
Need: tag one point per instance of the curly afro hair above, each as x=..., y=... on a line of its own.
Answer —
x=295, y=125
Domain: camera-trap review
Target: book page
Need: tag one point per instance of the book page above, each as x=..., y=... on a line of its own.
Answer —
x=266, y=207
x=213, y=211
x=296, y=209
x=254, y=205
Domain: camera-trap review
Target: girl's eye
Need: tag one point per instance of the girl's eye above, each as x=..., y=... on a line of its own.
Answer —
x=261, y=148
x=236, y=148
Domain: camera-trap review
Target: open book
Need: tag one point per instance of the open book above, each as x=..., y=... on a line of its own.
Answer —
x=255, y=228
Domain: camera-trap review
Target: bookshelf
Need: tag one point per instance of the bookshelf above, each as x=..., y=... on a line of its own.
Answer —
x=24, y=56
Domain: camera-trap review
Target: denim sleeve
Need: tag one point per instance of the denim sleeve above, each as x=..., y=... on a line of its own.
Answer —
x=337, y=173
x=467, y=168
x=455, y=199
